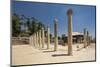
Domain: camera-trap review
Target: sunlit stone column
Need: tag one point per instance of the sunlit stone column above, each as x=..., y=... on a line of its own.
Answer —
x=34, y=39
x=39, y=38
x=48, y=37
x=69, y=13
x=85, y=38
x=30, y=40
x=43, y=38
x=55, y=34
x=88, y=39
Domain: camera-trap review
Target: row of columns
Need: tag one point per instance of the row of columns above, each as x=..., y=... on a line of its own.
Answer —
x=87, y=38
x=41, y=39
x=38, y=38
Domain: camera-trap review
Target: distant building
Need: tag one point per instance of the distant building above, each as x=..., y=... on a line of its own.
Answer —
x=78, y=37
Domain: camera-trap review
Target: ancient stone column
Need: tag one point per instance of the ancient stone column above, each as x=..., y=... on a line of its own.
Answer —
x=43, y=40
x=88, y=39
x=69, y=13
x=85, y=38
x=39, y=38
x=30, y=40
x=55, y=34
x=48, y=38
x=34, y=39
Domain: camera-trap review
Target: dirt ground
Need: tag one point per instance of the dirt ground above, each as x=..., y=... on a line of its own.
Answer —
x=27, y=54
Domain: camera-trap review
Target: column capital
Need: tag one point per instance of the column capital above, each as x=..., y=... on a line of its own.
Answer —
x=69, y=11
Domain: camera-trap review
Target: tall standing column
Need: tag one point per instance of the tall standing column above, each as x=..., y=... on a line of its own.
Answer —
x=39, y=38
x=88, y=39
x=43, y=38
x=30, y=40
x=85, y=38
x=55, y=34
x=69, y=13
x=34, y=39
x=48, y=37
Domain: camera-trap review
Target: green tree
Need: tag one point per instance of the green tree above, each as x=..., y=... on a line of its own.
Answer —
x=29, y=25
x=40, y=25
x=34, y=26
x=15, y=25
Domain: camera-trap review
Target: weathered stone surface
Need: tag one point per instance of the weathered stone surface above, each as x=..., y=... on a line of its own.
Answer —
x=48, y=37
x=85, y=38
x=43, y=38
x=55, y=34
x=69, y=13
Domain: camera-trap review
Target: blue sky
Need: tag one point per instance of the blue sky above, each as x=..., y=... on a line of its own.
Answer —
x=83, y=16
